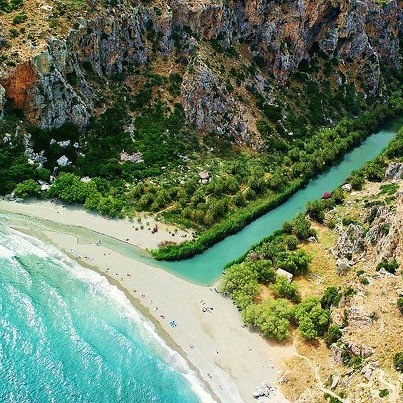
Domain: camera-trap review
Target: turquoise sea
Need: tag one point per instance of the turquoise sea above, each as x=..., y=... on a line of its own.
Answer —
x=67, y=335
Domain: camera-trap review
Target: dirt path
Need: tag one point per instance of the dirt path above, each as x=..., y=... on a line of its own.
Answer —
x=319, y=382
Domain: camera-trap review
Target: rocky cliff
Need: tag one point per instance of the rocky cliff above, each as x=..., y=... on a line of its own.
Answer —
x=61, y=83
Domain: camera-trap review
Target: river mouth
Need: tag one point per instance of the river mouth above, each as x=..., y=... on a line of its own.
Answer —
x=206, y=268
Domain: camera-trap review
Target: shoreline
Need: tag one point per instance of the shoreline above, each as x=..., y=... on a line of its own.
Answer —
x=226, y=356
x=134, y=301
x=132, y=232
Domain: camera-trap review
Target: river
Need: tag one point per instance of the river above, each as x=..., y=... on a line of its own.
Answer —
x=206, y=268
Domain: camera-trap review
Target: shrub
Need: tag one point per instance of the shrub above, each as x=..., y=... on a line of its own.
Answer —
x=287, y=227
x=383, y=392
x=271, y=318
x=20, y=18
x=301, y=226
x=389, y=266
x=264, y=270
x=357, y=180
x=68, y=188
x=316, y=210
x=398, y=361
x=311, y=318
x=28, y=188
x=292, y=242
x=332, y=335
x=331, y=297
x=240, y=282
x=284, y=289
x=294, y=262
x=400, y=304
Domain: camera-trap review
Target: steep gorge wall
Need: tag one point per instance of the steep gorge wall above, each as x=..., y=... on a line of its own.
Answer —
x=54, y=87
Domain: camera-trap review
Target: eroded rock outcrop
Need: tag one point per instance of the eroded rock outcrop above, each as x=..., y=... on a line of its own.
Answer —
x=54, y=87
x=208, y=105
x=394, y=172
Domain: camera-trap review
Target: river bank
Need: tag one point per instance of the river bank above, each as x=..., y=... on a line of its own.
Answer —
x=203, y=325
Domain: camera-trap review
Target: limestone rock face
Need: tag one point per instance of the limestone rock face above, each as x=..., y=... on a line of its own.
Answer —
x=349, y=243
x=2, y=100
x=52, y=88
x=208, y=105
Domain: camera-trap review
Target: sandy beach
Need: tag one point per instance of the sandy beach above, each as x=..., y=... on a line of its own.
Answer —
x=200, y=323
x=134, y=232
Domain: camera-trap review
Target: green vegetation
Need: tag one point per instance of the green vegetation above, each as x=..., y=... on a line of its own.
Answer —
x=274, y=317
x=331, y=298
x=390, y=266
x=271, y=318
x=160, y=172
x=388, y=189
x=28, y=188
x=304, y=163
x=312, y=319
x=20, y=18
x=383, y=392
x=332, y=335
x=398, y=361
x=241, y=283
x=400, y=304
x=10, y=5
x=282, y=288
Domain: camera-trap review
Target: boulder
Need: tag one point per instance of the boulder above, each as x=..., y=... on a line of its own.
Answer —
x=343, y=265
x=347, y=187
x=350, y=241
x=359, y=318
x=369, y=369
x=63, y=161
x=335, y=381
x=337, y=351
x=394, y=171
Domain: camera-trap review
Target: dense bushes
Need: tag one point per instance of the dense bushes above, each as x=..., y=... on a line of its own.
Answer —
x=312, y=319
x=308, y=159
x=96, y=195
x=10, y=5
x=28, y=188
x=241, y=283
x=331, y=298
x=271, y=318
x=238, y=220
x=275, y=316
x=282, y=288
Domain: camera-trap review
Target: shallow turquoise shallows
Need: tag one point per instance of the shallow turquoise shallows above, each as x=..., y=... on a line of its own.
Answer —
x=67, y=335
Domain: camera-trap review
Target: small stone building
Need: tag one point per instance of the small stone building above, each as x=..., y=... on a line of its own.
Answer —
x=286, y=274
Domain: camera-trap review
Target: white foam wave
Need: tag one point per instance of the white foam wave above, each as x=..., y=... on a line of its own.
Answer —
x=6, y=253
x=26, y=245
x=23, y=245
x=145, y=326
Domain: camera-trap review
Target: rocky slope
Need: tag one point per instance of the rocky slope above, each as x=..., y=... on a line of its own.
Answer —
x=359, y=365
x=66, y=79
